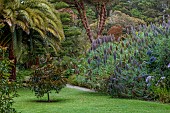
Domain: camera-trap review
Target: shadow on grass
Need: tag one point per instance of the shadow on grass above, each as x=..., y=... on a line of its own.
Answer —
x=51, y=101
x=91, y=93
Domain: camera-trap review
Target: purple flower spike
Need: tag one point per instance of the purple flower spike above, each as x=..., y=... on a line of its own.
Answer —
x=149, y=52
x=152, y=59
x=114, y=55
x=169, y=65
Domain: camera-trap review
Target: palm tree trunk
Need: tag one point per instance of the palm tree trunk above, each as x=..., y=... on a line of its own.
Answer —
x=82, y=12
x=102, y=19
x=12, y=56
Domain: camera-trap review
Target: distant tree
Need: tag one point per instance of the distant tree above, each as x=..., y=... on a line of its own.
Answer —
x=148, y=10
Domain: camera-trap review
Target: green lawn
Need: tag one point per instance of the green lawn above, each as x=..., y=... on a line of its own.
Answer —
x=75, y=101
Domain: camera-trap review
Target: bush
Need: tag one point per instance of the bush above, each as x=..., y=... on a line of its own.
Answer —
x=8, y=89
x=46, y=78
x=129, y=68
x=147, y=66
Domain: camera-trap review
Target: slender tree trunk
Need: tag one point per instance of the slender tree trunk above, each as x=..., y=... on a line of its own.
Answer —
x=48, y=94
x=37, y=61
x=12, y=57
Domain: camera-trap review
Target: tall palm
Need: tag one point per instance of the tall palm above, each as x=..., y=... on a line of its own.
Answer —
x=101, y=8
x=28, y=15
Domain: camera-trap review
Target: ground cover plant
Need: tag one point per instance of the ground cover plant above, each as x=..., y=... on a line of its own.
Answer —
x=76, y=101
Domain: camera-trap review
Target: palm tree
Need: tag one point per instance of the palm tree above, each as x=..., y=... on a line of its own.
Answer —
x=28, y=15
x=101, y=8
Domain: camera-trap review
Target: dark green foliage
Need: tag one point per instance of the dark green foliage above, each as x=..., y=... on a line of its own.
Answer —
x=157, y=65
x=148, y=10
x=8, y=92
x=46, y=78
x=8, y=89
x=74, y=43
x=60, y=5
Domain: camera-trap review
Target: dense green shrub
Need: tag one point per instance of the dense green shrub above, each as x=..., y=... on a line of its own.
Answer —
x=129, y=68
x=8, y=89
x=159, y=68
x=148, y=10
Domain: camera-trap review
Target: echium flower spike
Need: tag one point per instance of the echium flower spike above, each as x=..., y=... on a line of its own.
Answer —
x=115, y=73
x=129, y=60
x=94, y=45
x=168, y=65
x=149, y=53
x=97, y=41
x=168, y=22
x=152, y=59
x=100, y=41
x=119, y=39
x=105, y=59
x=126, y=67
x=119, y=70
x=98, y=61
x=107, y=39
x=138, y=40
x=89, y=61
x=134, y=62
x=135, y=53
x=120, y=64
x=142, y=40
x=111, y=47
x=146, y=34
x=114, y=55
x=113, y=38
x=105, y=51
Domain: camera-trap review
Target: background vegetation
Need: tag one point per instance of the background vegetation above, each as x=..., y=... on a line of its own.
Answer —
x=117, y=47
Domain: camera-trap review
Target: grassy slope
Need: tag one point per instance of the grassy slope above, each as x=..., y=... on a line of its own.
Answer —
x=75, y=101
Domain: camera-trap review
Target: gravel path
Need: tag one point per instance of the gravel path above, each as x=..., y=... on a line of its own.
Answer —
x=79, y=88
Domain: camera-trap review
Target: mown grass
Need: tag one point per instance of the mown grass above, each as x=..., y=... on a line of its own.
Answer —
x=76, y=101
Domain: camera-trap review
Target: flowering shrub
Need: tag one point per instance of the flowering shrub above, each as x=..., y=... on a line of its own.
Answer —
x=129, y=68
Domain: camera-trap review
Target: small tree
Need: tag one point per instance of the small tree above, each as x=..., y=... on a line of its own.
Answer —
x=46, y=78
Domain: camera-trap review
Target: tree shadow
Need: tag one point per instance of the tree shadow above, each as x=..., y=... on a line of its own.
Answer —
x=91, y=93
x=51, y=101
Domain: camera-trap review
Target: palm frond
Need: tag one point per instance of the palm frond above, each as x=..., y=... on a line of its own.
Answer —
x=39, y=31
x=22, y=25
